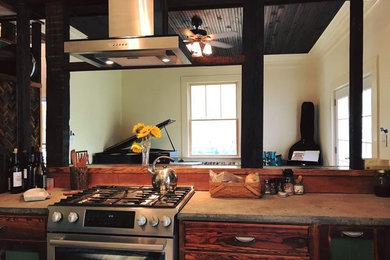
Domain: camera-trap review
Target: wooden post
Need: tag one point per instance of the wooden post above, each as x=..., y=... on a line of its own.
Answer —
x=252, y=85
x=23, y=70
x=356, y=84
x=57, y=83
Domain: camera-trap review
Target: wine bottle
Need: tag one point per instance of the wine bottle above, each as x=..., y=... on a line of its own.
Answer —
x=9, y=164
x=16, y=174
x=24, y=163
x=33, y=157
x=40, y=170
x=30, y=172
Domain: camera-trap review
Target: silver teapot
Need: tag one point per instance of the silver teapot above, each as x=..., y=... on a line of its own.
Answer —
x=164, y=180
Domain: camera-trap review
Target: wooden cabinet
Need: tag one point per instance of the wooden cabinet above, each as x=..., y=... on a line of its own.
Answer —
x=23, y=233
x=353, y=242
x=227, y=240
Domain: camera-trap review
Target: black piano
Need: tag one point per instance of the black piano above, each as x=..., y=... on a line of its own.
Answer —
x=121, y=153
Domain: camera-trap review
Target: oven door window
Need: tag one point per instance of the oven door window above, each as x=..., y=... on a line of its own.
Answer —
x=64, y=253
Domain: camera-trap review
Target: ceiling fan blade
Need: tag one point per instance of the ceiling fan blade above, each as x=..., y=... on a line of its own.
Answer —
x=223, y=35
x=220, y=45
x=187, y=32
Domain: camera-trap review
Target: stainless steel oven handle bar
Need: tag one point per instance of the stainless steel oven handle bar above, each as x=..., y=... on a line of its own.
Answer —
x=109, y=245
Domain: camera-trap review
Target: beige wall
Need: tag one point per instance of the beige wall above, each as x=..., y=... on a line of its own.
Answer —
x=289, y=80
x=332, y=55
x=153, y=95
x=95, y=109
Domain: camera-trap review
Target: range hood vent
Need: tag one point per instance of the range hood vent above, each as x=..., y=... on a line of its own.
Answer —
x=134, y=29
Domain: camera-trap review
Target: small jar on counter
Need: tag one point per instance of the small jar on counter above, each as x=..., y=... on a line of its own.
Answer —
x=298, y=186
x=288, y=181
x=267, y=187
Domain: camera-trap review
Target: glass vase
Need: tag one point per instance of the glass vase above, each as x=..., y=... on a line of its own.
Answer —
x=145, y=152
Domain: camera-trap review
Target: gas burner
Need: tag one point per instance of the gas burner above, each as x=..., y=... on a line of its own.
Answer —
x=125, y=196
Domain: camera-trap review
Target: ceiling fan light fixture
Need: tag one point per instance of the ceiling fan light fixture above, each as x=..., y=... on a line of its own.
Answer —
x=196, y=50
x=207, y=49
x=189, y=46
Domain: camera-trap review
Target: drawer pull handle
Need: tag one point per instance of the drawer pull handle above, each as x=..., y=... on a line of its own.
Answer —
x=3, y=228
x=245, y=239
x=353, y=234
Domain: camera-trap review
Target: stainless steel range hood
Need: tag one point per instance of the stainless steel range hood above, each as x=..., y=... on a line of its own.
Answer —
x=132, y=28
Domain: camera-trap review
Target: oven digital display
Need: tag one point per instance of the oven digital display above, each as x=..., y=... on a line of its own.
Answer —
x=108, y=218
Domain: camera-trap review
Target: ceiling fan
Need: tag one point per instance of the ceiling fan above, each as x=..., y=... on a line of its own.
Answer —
x=199, y=42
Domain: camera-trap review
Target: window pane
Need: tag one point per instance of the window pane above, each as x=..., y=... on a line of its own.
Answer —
x=366, y=150
x=367, y=102
x=198, y=102
x=343, y=129
x=367, y=129
x=214, y=137
x=343, y=153
x=228, y=100
x=213, y=97
x=342, y=108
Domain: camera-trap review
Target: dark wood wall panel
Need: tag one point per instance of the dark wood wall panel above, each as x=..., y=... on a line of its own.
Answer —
x=35, y=121
x=7, y=116
x=8, y=125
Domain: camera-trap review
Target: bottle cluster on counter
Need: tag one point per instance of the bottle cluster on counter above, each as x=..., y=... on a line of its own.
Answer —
x=26, y=170
x=286, y=185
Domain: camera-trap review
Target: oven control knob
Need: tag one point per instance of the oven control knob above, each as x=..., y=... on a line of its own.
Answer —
x=154, y=221
x=166, y=221
x=141, y=221
x=56, y=217
x=73, y=217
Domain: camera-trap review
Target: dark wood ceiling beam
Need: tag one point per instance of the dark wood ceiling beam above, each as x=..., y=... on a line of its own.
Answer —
x=100, y=7
x=196, y=62
x=206, y=4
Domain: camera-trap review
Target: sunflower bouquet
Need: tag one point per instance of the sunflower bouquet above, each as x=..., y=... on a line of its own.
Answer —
x=145, y=134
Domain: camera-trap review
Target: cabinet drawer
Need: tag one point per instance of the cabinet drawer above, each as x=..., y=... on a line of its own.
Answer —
x=238, y=256
x=253, y=238
x=23, y=227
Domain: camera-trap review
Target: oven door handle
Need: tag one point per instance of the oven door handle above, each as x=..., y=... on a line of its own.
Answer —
x=108, y=245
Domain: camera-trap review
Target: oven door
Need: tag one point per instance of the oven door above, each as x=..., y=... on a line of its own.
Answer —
x=97, y=247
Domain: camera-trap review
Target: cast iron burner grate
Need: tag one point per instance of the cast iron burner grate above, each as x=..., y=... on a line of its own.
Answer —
x=126, y=196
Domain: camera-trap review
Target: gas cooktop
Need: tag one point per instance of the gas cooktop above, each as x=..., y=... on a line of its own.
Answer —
x=126, y=196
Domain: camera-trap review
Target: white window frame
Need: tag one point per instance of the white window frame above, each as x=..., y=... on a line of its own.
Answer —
x=369, y=81
x=186, y=83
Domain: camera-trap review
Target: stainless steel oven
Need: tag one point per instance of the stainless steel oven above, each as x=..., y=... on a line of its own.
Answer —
x=114, y=223
x=83, y=247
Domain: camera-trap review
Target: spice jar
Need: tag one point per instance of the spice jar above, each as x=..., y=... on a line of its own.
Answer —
x=267, y=187
x=298, y=186
x=288, y=181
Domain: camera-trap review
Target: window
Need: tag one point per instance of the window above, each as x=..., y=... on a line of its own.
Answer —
x=212, y=122
x=342, y=123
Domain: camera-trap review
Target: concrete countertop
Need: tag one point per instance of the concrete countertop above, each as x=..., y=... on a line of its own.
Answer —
x=14, y=203
x=312, y=208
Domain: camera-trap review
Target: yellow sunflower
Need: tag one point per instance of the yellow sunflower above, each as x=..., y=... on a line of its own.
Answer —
x=144, y=132
x=136, y=147
x=155, y=131
x=138, y=127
